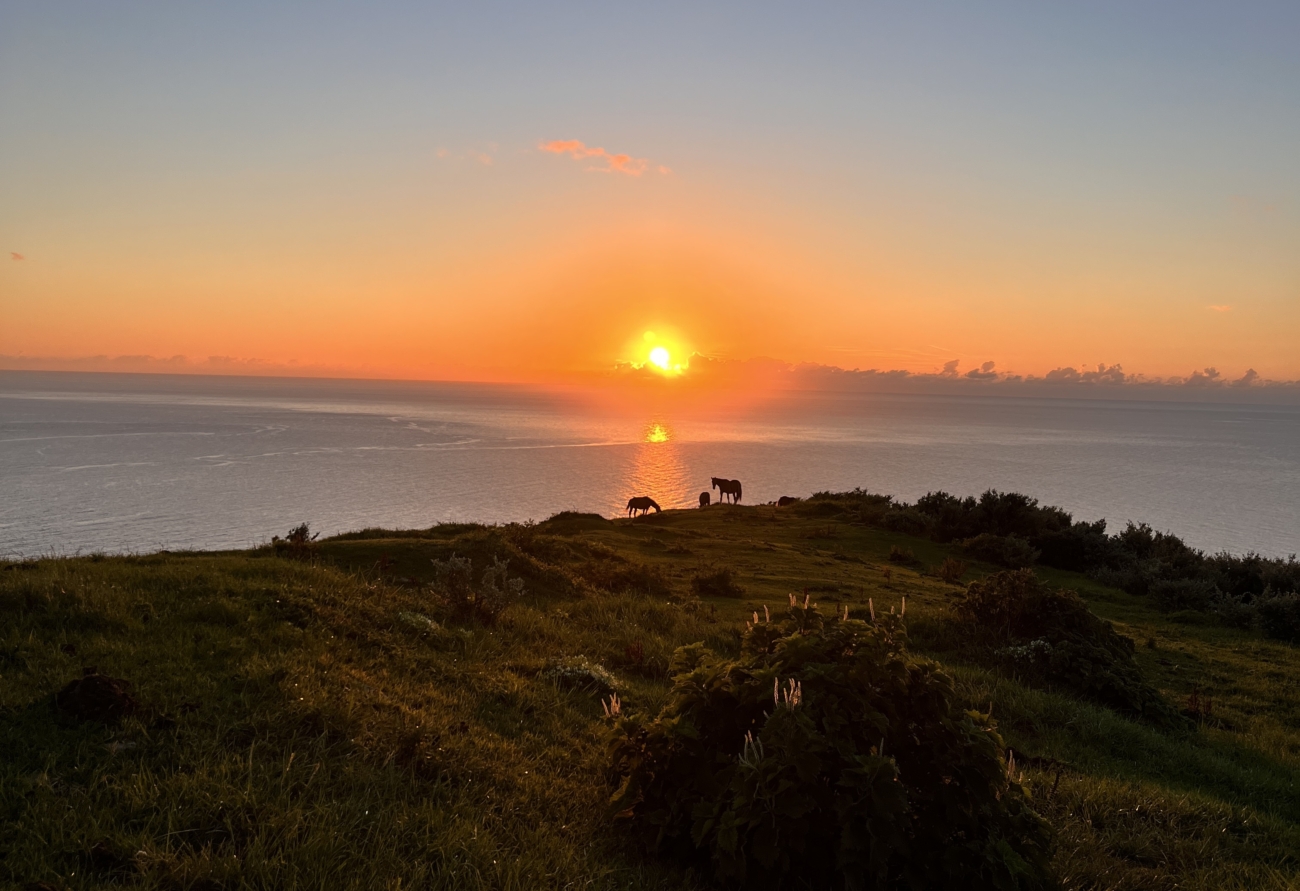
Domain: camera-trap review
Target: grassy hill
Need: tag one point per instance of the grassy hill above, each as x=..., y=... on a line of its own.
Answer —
x=322, y=722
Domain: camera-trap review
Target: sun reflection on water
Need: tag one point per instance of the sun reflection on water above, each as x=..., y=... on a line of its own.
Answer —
x=658, y=470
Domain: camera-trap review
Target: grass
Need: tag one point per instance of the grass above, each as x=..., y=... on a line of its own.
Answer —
x=321, y=724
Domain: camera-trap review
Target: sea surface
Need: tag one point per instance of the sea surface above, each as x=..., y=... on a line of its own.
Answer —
x=137, y=463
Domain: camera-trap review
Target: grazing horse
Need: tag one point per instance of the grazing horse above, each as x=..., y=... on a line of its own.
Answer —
x=726, y=487
x=704, y=499
x=785, y=500
x=641, y=503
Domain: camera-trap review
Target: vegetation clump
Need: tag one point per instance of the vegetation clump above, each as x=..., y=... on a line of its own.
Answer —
x=721, y=583
x=580, y=673
x=1049, y=636
x=826, y=755
x=297, y=544
x=1279, y=616
x=617, y=574
x=1008, y=551
x=453, y=586
x=1015, y=531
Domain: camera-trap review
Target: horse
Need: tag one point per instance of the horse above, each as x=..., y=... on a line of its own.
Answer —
x=704, y=499
x=727, y=487
x=641, y=503
x=785, y=500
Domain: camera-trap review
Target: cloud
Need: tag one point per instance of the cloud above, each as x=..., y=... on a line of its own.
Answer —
x=1246, y=379
x=14, y=255
x=609, y=162
x=1113, y=374
x=984, y=373
x=1219, y=308
x=950, y=368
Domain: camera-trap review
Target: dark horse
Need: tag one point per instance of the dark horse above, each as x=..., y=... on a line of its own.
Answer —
x=704, y=499
x=727, y=487
x=641, y=503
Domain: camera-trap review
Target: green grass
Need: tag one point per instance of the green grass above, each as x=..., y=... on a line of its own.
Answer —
x=304, y=728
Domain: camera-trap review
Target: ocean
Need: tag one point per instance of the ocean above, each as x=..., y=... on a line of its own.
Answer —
x=137, y=463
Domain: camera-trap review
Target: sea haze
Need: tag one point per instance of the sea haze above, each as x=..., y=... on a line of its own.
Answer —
x=113, y=463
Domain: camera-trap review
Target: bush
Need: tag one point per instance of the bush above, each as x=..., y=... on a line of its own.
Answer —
x=1177, y=594
x=580, y=674
x=297, y=544
x=828, y=755
x=907, y=521
x=617, y=575
x=902, y=556
x=1049, y=636
x=1009, y=551
x=453, y=586
x=951, y=570
x=1279, y=615
x=717, y=584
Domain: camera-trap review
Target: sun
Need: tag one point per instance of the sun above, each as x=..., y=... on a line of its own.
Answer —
x=659, y=356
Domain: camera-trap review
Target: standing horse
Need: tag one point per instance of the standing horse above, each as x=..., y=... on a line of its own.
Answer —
x=641, y=503
x=727, y=487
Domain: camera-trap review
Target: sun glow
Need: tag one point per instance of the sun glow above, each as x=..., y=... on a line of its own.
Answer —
x=659, y=356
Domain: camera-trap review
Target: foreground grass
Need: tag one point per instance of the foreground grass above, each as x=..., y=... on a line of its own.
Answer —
x=307, y=727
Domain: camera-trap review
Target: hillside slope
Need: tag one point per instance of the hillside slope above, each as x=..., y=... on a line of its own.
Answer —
x=323, y=722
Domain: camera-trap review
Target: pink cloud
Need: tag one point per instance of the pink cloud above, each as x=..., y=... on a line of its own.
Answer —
x=610, y=162
x=14, y=255
x=1219, y=308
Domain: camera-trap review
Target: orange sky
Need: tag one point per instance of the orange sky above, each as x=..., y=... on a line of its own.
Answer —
x=528, y=226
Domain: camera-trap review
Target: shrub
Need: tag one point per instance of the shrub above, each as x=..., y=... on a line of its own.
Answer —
x=297, y=544
x=827, y=754
x=1279, y=615
x=951, y=570
x=902, y=556
x=1049, y=636
x=616, y=574
x=1176, y=594
x=907, y=521
x=453, y=586
x=717, y=584
x=580, y=674
x=1009, y=551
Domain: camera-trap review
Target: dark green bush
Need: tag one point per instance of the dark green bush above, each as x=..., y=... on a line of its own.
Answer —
x=1048, y=635
x=716, y=584
x=1176, y=594
x=907, y=521
x=1279, y=615
x=1010, y=551
x=824, y=756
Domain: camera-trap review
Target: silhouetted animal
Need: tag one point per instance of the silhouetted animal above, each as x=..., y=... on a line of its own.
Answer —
x=641, y=503
x=785, y=500
x=704, y=499
x=727, y=487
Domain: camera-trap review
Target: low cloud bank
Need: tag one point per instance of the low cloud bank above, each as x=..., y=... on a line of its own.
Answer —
x=1100, y=382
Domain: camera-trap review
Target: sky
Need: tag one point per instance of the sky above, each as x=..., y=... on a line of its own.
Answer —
x=524, y=191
